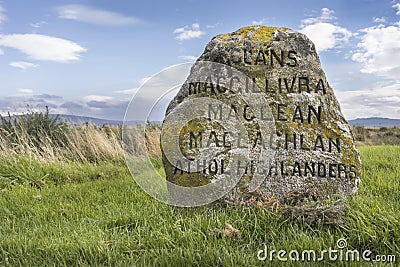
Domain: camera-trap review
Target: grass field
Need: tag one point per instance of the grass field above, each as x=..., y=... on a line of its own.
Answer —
x=67, y=198
x=76, y=213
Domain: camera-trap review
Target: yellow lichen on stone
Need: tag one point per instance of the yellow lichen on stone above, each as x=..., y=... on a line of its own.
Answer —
x=261, y=34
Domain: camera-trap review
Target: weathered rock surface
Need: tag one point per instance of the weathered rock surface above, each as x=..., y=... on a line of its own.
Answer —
x=312, y=142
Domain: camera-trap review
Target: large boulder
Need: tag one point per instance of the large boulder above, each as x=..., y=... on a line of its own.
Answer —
x=310, y=146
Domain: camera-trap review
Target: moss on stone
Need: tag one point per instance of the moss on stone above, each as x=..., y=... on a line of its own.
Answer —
x=260, y=34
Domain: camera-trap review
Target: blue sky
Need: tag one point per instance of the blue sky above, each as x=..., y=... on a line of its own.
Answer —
x=89, y=57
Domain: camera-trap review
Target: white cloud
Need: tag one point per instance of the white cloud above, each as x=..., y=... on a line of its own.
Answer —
x=259, y=22
x=3, y=16
x=379, y=20
x=1, y=52
x=43, y=47
x=144, y=80
x=38, y=24
x=23, y=102
x=188, y=33
x=325, y=34
x=212, y=26
x=379, y=50
x=133, y=91
x=25, y=91
x=22, y=65
x=397, y=6
x=380, y=100
x=96, y=16
x=188, y=58
x=326, y=16
x=18, y=103
x=99, y=98
x=101, y=105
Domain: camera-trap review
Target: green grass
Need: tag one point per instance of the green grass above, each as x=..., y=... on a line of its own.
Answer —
x=95, y=214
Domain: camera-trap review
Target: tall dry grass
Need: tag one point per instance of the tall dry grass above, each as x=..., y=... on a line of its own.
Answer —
x=44, y=137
